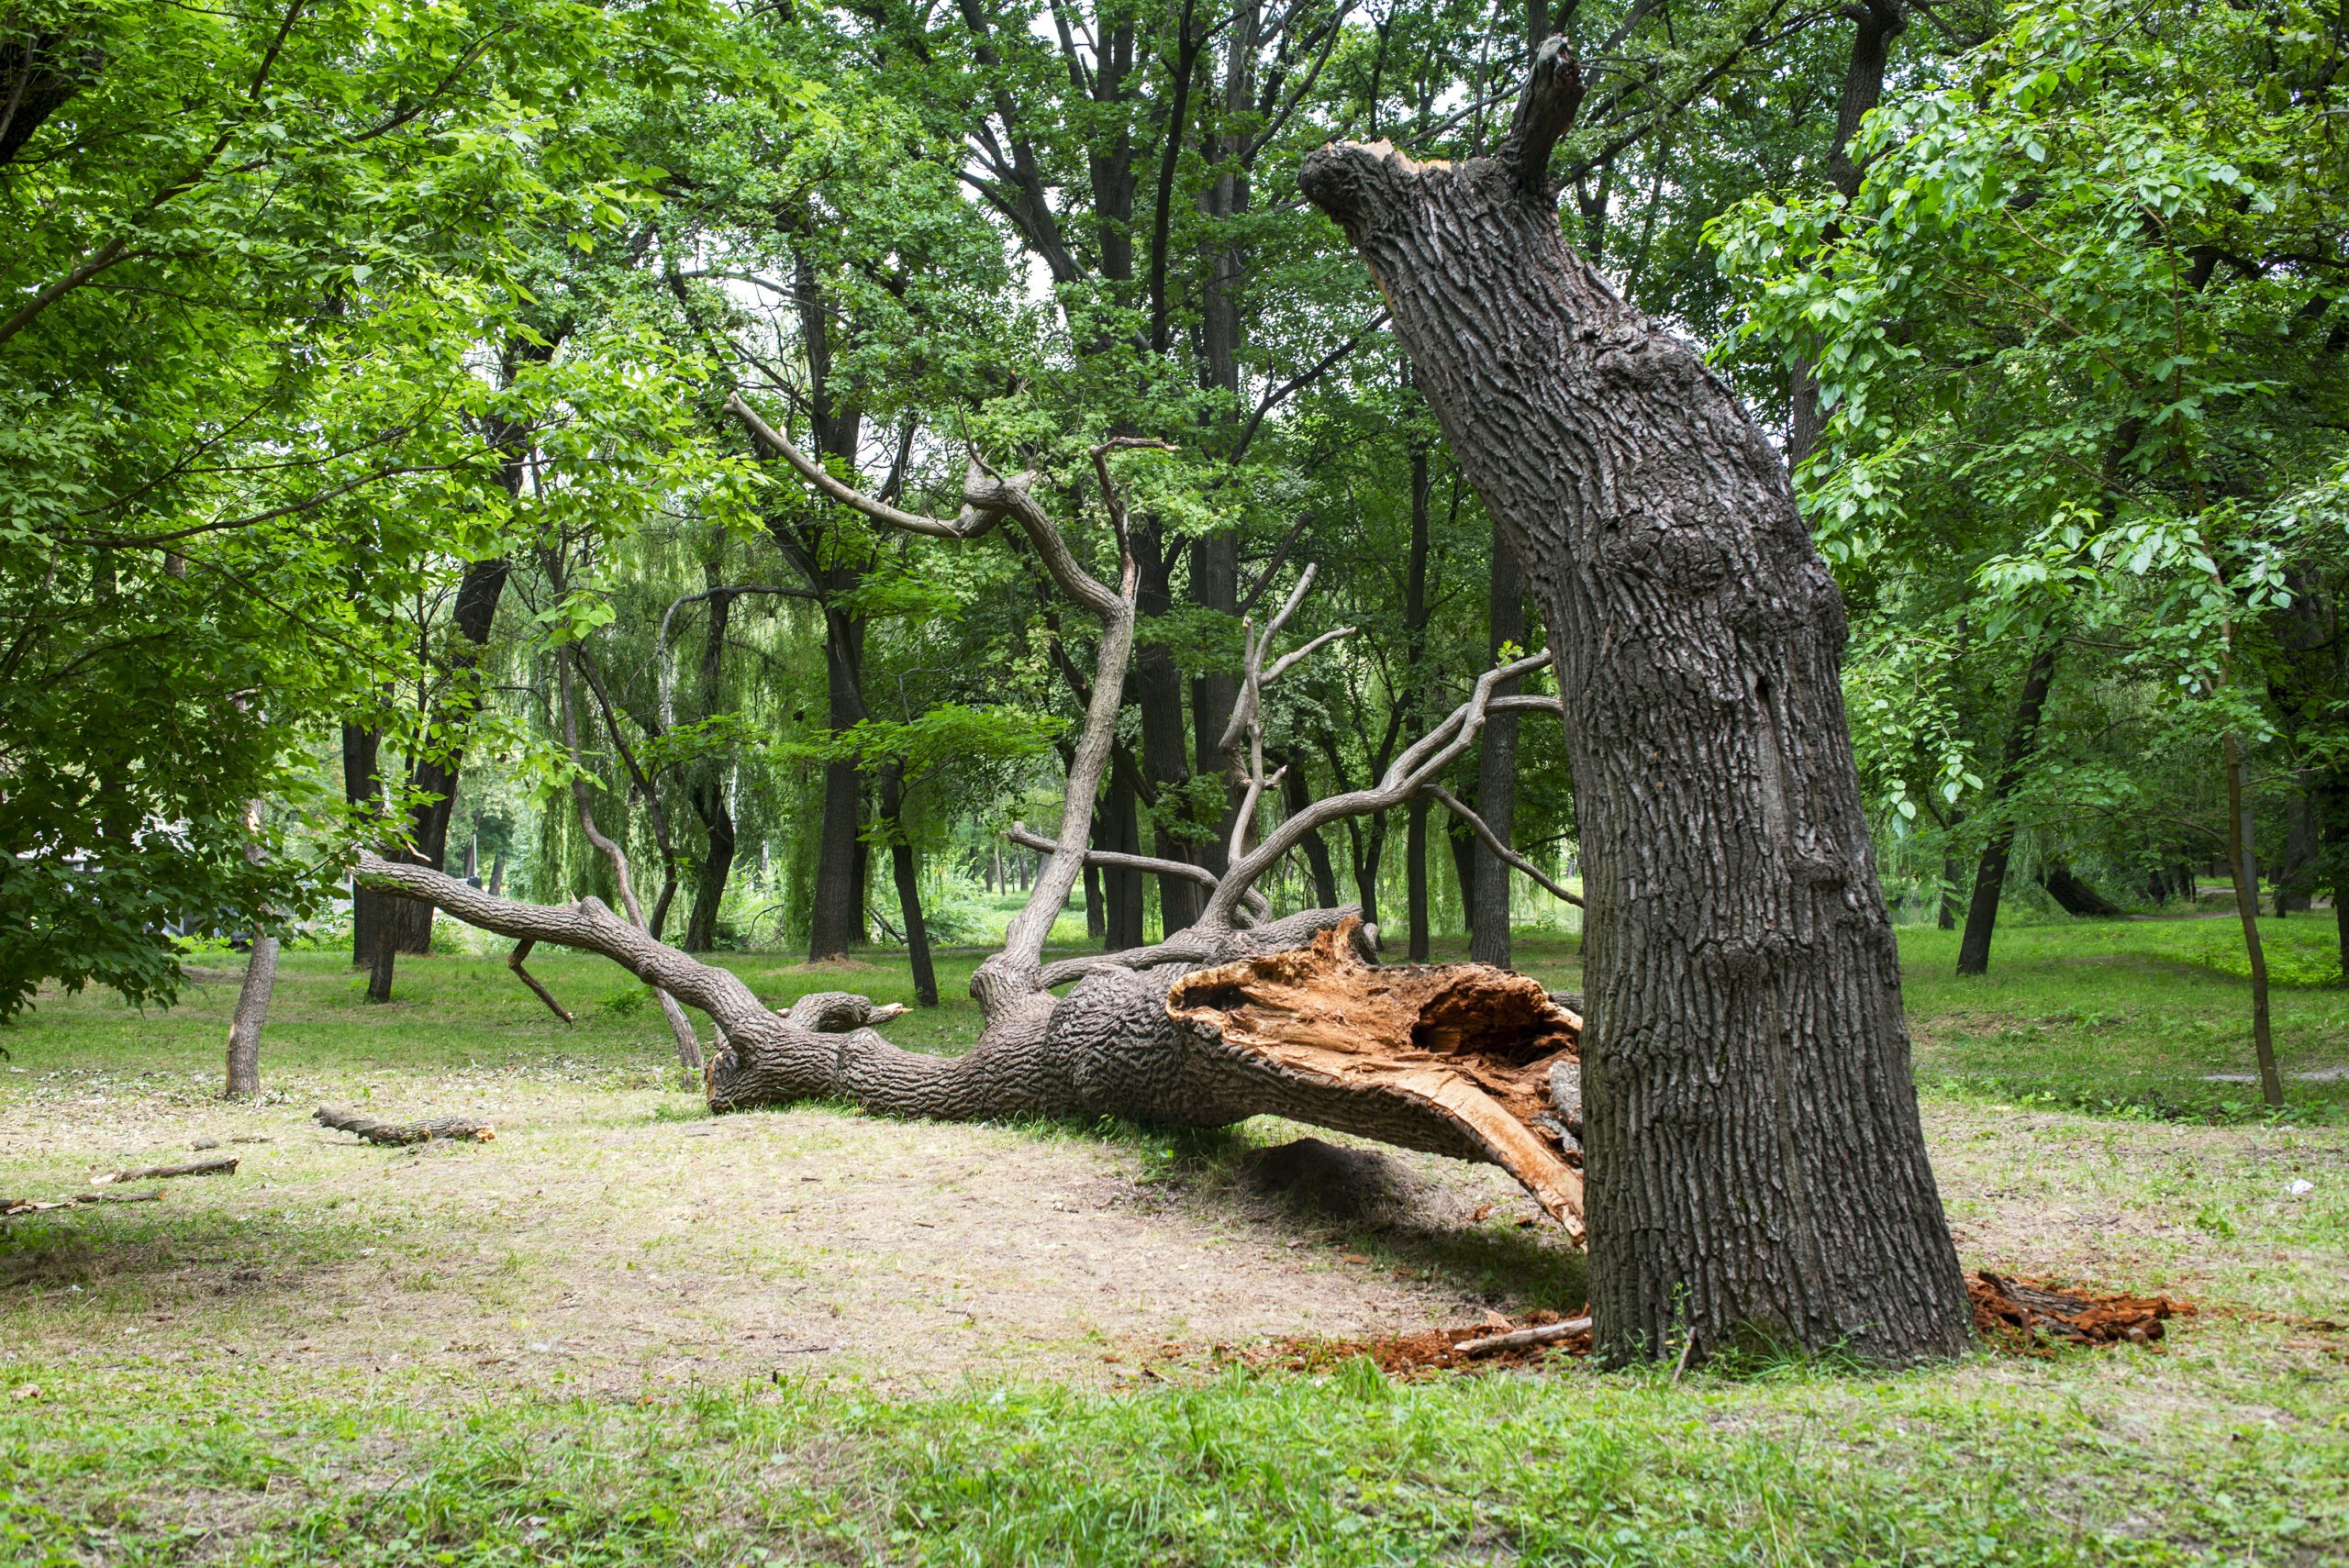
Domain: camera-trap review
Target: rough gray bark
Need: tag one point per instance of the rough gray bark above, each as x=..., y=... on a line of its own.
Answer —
x=253, y=1012
x=1757, y=1166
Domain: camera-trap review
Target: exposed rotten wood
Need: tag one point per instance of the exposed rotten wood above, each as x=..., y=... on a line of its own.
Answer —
x=1474, y=1045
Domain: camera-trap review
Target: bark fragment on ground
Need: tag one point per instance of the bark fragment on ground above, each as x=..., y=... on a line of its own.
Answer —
x=12, y=1206
x=461, y=1128
x=1464, y=1044
x=1416, y=1357
x=224, y=1166
x=2029, y=1315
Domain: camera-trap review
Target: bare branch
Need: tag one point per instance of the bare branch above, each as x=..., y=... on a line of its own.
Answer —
x=1256, y=905
x=1421, y=762
x=1492, y=841
x=588, y=925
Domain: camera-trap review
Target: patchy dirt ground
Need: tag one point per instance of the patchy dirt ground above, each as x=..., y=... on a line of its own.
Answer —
x=616, y=1240
x=620, y=1239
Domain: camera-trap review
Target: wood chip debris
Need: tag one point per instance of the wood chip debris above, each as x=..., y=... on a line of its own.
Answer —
x=1415, y=1358
x=2029, y=1315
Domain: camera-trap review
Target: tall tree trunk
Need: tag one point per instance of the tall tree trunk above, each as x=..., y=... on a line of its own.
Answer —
x=1758, y=1168
x=1991, y=876
x=1876, y=23
x=1157, y=688
x=1497, y=771
x=836, y=922
x=1215, y=559
x=1415, y=876
x=717, y=867
x=1946, y=909
x=253, y=1012
x=1122, y=886
x=2246, y=881
x=253, y=995
x=707, y=793
x=1462, y=844
x=363, y=787
x=907, y=877
x=1414, y=641
x=1296, y=795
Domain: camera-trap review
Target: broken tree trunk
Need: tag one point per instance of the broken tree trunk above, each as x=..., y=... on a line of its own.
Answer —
x=1463, y=1061
x=1289, y=1019
x=1758, y=1168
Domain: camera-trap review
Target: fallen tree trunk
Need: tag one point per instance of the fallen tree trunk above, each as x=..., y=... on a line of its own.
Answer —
x=1237, y=1015
x=224, y=1166
x=1292, y=1019
x=402, y=1132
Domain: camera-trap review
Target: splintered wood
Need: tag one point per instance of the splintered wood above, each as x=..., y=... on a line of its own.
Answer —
x=1476, y=1044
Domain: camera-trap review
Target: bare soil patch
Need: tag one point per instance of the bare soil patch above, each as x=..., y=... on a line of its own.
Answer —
x=615, y=1241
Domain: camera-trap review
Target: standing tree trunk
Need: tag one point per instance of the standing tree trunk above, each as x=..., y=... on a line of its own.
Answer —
x=907, y=877
x=836, y=922
x=1415, y=639
x=1489, y=888
x=1121, y=886
x=1297, y=795
x=1758, y=1168
x=1876, y=24
x=252, y=996
x=1991, y=876
x=2245, y=874
x=253, y=1012
x=1157, y=687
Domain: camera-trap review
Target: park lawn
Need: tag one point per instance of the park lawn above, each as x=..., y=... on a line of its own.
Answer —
x=630, y=1333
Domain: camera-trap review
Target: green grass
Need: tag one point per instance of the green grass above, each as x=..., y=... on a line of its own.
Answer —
x=1791, y=1465
x=2124, y=1017
x=144, y=1419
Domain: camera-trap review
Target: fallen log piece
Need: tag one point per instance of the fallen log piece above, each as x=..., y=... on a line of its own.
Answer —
x=226, y=1166
x=401, y=1132
x=1415, y=1358
x=1526, y=1338
x=2023, y=1313
x=10, y=1207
